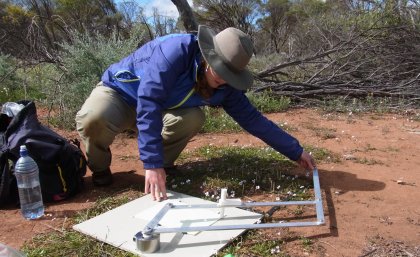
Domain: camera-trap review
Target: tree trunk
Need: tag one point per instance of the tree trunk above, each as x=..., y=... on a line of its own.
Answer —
x=186, y=14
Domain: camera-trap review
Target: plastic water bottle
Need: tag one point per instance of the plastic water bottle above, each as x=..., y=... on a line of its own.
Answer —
x=27, y=176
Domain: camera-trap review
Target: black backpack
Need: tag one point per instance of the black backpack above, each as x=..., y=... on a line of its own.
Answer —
x=61, y=163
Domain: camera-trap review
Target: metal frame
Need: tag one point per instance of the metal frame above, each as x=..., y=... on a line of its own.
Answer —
x=148, y=239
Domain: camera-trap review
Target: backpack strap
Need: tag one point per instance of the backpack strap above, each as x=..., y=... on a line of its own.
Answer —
x=5, y=178
x=8, y=186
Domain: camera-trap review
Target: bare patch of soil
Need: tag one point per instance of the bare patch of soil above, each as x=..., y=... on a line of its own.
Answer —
x=370, y=197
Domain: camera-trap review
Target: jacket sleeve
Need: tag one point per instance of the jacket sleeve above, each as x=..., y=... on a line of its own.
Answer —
x=237, y=105
x=159, y=74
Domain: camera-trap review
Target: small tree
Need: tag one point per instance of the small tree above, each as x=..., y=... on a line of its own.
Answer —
x=229, y=13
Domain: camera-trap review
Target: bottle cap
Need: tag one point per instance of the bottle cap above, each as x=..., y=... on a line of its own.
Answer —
x=23, y=150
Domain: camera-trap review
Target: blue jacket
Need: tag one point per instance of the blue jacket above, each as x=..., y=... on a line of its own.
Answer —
x=161, y=74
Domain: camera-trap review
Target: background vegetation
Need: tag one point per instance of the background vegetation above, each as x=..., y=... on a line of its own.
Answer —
x=313, y=52
x=345, y=55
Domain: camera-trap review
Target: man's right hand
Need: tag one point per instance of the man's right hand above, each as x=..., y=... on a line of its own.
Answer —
x=306, y=161
x=156, y=183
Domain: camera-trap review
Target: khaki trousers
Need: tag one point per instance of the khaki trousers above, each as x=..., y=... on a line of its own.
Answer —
x=105, y=114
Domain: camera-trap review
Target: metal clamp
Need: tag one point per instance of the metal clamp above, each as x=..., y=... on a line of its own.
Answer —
x=147, y=243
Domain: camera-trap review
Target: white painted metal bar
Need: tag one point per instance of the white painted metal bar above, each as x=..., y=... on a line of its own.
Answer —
x=318, y=197
x=243, y=205
x=150, y=227
x=160, y=230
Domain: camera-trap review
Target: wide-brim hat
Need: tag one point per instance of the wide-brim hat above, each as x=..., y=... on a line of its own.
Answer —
x=228, y=53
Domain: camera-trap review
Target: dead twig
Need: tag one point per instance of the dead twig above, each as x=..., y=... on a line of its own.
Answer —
x=368, y=253
x=331, y=246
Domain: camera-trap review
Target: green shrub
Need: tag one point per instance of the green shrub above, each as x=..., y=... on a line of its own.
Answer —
x=266, y=102
x=39, y=78
x=83, y=62
x=11, y=88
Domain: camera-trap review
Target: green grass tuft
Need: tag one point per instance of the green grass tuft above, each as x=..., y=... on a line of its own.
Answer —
x=266, y=102
x=68, y=242
x=218, y=121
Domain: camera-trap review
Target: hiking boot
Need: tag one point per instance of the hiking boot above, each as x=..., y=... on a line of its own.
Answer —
x=172, y=170
x=102, y=178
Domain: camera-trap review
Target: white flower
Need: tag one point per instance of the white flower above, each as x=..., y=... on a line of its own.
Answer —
x=278, y=187
x=174, y=186
x=188, y=181
x=257, y=187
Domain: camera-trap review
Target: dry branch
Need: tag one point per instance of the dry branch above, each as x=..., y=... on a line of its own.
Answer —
x=382, y=62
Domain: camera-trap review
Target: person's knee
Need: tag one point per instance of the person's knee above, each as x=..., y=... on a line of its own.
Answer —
x=88, y=123
x=195, y=119
x=186, y=122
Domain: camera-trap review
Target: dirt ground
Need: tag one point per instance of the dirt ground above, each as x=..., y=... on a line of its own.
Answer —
x=371, y=198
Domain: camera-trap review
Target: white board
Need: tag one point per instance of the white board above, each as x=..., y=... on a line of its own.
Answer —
x=118, y=226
